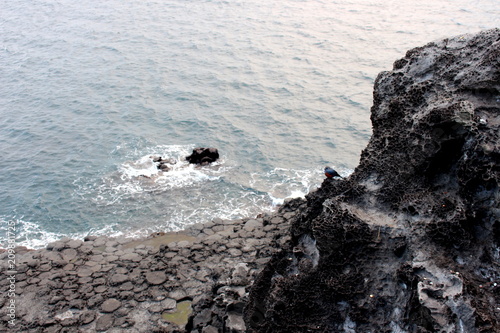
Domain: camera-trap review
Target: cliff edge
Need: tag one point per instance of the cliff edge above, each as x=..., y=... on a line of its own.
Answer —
x=410, y=242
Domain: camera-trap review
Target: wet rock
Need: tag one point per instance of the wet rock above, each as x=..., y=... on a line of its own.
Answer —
x=95, y=301
x=203, y=156
x=240, y=275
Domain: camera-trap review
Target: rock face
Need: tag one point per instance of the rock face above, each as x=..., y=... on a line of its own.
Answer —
x=203, y=156
x=410, y=242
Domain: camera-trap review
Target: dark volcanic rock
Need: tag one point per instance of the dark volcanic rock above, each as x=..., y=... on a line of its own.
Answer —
x=203, y=156
x=410, y=242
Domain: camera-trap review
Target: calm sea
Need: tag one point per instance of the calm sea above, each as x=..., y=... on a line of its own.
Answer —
x=90, y=90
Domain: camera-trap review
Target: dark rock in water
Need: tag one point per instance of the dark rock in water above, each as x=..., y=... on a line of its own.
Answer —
x=410, y=242
x=203, y=156
x=163, y=164
x=163, y=167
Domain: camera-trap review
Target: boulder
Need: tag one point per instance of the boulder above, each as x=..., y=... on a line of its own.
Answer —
x=163, y=164
x=203, y=156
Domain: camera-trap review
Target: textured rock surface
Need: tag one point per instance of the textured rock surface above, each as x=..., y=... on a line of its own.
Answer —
x=410, y=242
x=203, y=156
x=146, y=285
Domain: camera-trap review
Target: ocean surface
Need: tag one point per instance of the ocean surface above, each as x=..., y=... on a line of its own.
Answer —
x=90, y=91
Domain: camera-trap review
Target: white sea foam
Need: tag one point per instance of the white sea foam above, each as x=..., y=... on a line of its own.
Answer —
x=27, y=233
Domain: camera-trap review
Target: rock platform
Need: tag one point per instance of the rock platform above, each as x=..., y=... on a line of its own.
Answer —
x=196, y=280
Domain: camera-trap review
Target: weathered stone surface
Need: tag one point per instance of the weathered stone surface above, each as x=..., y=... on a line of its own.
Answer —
x=209, y=329
x=56, y=246
x=177, y=294
x=87, y=317
x=84, y=271
x=117, y=279
x=168, y=304
x=110, y=305
x=386, y=240
x=69, y=254
x=132, y=257
x=235, y=322
x=105, y=322
x=74, y=243
x=156, y=278
x=252, y=225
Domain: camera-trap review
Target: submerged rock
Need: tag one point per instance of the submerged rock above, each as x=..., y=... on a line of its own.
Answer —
x=411, y=241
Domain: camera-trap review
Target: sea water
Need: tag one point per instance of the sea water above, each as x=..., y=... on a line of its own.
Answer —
x=90, y=91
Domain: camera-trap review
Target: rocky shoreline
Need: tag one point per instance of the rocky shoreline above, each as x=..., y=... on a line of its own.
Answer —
x=410, y=242
x=144, y=285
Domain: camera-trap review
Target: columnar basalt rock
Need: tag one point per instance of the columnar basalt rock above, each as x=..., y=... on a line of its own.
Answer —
x=144, y=285
x=410, y=242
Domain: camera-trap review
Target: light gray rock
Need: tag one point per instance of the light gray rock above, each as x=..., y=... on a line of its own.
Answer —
x=252, y=225
x=177, y=294
x=74, y=243
x=84, y=271
x=131, y=257
x=104, y=322
x=168, y=304
x=57, y=246
x=69, y=254
x=118, y=279
x=87, y=317
x=235, y=322
x=110, y=305
x=156, y=278
x=209, y=329
x=235, y=252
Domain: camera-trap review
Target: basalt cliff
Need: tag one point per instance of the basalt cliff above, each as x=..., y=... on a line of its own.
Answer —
x=410, y=242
